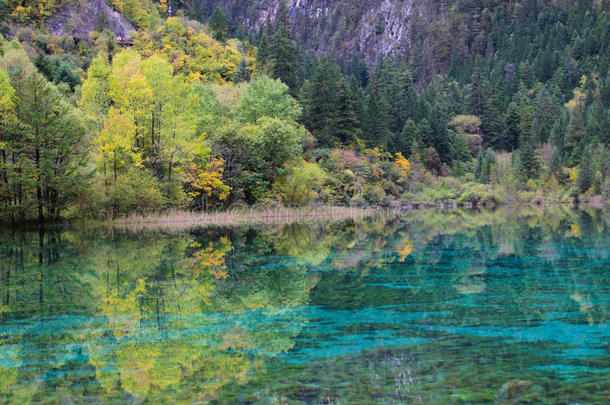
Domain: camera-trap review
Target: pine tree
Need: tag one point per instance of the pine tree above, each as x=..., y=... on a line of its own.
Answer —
x=477, y=98
x=283, y=52
x=346, y=122
x=263, y=54
x=243, y=72
x=510, y=139
x=407, y=142
x=529, y=159
x=556, y=164
x=375, y=123
x=48, y=146
x=492, y=125
x=218, y=25
x=478, y=170
x=425, y=132
x=585, y=172
x=460, y=150
x=320, y=103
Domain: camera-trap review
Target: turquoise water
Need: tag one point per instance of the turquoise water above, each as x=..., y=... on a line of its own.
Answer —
x=433, y=308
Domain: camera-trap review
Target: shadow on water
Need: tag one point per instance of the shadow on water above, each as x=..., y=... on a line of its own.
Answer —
x=430, y=307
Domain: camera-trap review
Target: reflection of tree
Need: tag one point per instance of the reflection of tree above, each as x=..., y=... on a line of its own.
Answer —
x=10, y=361
x=171, y=315
x=146, y=361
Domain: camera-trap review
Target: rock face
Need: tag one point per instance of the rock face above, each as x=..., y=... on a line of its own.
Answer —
x=341, y=28
x=81, y=17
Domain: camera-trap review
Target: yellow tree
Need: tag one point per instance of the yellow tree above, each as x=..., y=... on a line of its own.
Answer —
x=116, y=142
x=96, y=89
x=207, y=182
x=402, y=163
x=7, y=99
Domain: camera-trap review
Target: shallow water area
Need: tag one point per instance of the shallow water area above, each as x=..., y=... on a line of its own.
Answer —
x=507, y=306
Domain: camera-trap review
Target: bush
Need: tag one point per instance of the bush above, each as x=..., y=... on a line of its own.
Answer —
x=301, y=185
x=135, y=191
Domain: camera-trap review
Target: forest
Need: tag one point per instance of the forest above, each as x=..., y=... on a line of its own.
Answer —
x=496, y=103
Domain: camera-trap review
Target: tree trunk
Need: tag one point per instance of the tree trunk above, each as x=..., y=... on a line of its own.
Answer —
x=39, y=189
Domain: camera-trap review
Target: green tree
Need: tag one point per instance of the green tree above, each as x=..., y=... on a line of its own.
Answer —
x=282, y=51
x=266, y=97
x=218, y=25
x=375, y=123
x=7, y=99
x=510, y=140
x=528, y=157
x=346, y=121
x=263, y=54
x=329, y=106
x=585, y=172
x=409, y=140
x=44, y=154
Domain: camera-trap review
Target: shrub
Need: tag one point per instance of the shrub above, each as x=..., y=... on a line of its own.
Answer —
x=301, y=185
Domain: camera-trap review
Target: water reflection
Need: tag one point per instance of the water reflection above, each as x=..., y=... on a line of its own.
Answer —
x=429, y=307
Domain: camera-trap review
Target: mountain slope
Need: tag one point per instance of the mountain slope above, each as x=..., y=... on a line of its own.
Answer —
x=79, y=18
x=342, y=28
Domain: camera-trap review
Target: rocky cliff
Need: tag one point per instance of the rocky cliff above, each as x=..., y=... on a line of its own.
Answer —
x=342, y=28
x=79, y=18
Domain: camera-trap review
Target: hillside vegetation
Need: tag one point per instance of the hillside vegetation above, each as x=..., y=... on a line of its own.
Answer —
x=494, y=102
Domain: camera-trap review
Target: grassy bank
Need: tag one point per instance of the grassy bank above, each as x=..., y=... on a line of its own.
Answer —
x=178, y=220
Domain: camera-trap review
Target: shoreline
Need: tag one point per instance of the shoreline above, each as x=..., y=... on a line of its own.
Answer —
x=176, y=220
x=284, y=215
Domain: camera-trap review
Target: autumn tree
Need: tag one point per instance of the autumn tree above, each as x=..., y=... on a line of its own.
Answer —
x=203, y=183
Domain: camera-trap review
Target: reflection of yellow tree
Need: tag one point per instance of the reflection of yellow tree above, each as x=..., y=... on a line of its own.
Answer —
x=301, y=242
x=121, y=312
x=8, y=375
x=405, y=250
x=147, y=362
x=211, y=259
x=574, y=231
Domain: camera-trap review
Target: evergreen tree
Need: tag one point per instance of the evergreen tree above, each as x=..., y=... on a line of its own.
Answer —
x=407, y=142
x=283, y=52
x=492, y=125
x=218, y=25
x=374, y=125
x=346, y=122
x=357, y=101
x=425, y=132
x=320, y=103
x=263, y=54
x=460, y=150
x=476, y=99
x=479, y=169
x=585, y=172
x=510, y=139
x=243, y=72
x=530, y=164
x=46, y=149
x=556, y=164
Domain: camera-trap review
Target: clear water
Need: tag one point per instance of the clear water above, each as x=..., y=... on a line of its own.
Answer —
x=458, y=307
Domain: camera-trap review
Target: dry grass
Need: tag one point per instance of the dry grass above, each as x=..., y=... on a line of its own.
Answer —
x=184, y=220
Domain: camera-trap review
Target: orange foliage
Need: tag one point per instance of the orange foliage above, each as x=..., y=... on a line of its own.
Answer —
x=402, y=163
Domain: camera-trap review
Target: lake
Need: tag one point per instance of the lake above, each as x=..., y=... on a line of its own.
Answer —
x=504, y=307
